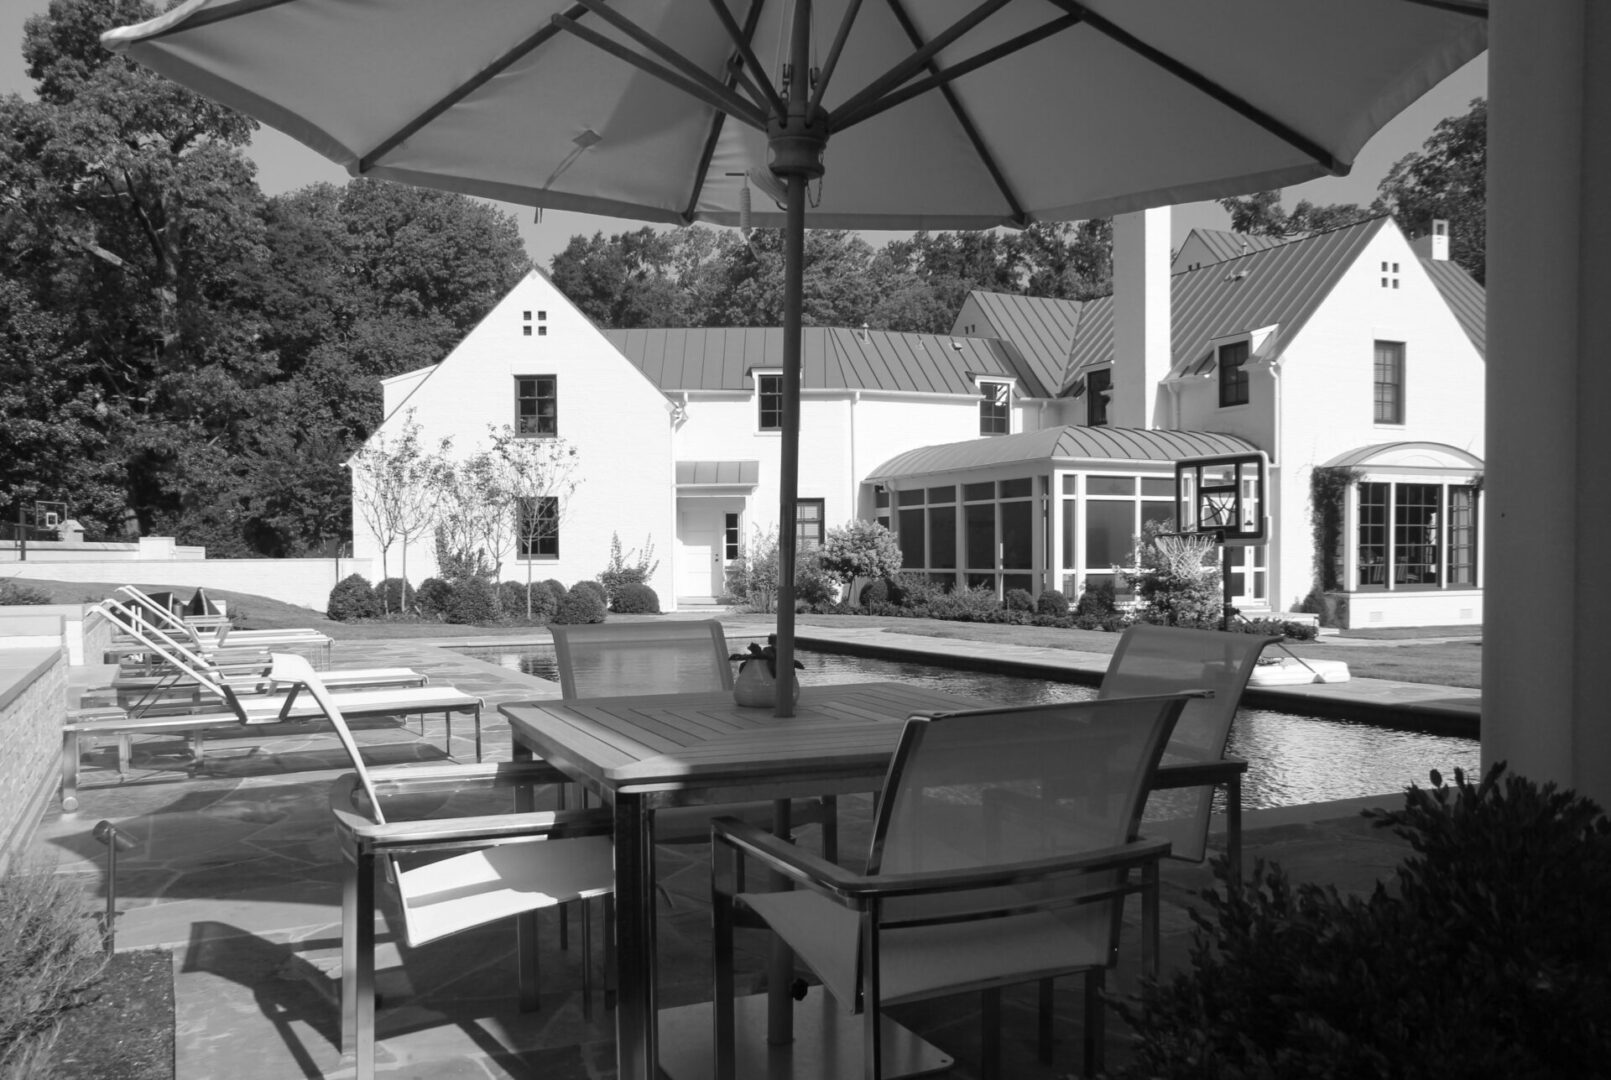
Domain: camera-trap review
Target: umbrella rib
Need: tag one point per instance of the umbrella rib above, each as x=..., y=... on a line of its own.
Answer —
x=690, y=70
x=904, y=70
x=709, y=151
x=458, y=94
x=1203, y=83
x=841, y=120
x=969, y=129
x=851, y=11
x=741, y=38
x=722, y=101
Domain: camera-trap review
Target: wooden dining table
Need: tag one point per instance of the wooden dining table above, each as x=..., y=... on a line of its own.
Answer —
x=646, y=753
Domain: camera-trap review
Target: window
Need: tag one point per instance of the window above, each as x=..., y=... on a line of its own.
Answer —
x=1389, y=382
x=1463, y=536
x=730, y=537
x=769, y=389
x=808, y=524
x=1417, y=535
x=537, y=528
x=1389, y=275
x=1097, y=386
x=1373, y=536
x=542, y=319
x=1233, y=374
x=536, y=406
x=994, y=416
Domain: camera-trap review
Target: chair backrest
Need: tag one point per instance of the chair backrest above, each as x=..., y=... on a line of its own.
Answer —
x=630, y=659
x=973, y=791
x=174, y=653
x=1168, y=659
x=155, y=609
x=292, y=668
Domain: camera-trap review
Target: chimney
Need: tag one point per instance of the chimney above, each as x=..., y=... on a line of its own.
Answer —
x=1440, y=240
x=1141, y=347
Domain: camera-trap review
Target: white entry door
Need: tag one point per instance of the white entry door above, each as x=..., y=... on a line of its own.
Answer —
x=702, y=546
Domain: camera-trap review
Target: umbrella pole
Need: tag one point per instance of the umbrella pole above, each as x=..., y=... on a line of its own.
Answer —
x=789, y=480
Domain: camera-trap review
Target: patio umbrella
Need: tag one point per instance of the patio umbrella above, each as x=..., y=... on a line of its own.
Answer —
x=898, y=114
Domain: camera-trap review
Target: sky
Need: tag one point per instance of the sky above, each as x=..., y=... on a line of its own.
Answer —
x=284, y=164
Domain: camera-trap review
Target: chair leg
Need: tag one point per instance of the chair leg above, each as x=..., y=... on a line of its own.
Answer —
x=990, y=1033
x=1044, y=1027
x=363, y=998
x=447, y=737
x=587, y=960
x=70, y=751
x=526, y=960
x=1095, y=1037
x=478, y=733
x=1233, y=828
x=609, y=952
x=830, y=828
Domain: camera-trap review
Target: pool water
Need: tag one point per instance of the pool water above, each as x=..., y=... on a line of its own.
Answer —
x=1292, y=758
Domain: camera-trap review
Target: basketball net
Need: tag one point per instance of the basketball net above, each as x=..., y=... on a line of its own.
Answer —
x=1184, y=554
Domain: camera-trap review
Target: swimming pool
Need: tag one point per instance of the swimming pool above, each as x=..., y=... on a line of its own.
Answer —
x=1292, y=759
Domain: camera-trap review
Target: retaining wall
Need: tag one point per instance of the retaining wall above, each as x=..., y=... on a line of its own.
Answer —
x=33, y=704
x=304, y=582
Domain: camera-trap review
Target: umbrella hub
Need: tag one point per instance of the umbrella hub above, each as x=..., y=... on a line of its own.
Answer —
x=796, y=144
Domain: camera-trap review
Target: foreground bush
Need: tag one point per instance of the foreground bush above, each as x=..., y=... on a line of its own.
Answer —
x=352, y=598
x=50, y=956
x=627, y=568
x=474, y=603
x=395, y=595
x=1051, y=602
x=433, y=597
x=1490, y=957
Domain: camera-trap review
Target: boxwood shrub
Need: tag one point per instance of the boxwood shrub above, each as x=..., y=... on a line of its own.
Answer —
x=352, y=598
x=635, y=598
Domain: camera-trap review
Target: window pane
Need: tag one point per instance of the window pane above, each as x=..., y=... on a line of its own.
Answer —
x=1415, y=534
x=943, y=537
x=808, y=525
x=1070, y=481
x=911, y=540
x=909, y=498
x=1110, y=485
x=970, y=492
x=880, y=496
x=1462, y=536
x=1373, y=536
x=947, y=494
x=993, y=409
x=982, y=581
x=981, y=530
x=1109, y=529
x=1163, y=486
x=1389, y=382
x=1097, y=385
x=770, y=394
x=1068, y=531
x=1025, y=582
x=1017, y=536
x=1159, y=513
x=1232, y=374
x=1020, y=488
x=537, y=528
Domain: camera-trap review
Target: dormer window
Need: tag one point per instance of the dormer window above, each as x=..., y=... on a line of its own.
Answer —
x=1098, y=385
x=527, y=324
x=1233, y=389
x=769, y=401
x=995, y=408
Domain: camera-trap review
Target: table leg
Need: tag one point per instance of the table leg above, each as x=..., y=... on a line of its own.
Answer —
x=636, y=1029
x=780, y=968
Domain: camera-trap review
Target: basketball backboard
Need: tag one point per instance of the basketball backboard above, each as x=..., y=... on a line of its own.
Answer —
x=1223, y=495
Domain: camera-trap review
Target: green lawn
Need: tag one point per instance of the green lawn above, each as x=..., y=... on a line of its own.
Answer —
x=1390, y=653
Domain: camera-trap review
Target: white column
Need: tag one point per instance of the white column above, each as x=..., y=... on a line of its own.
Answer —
x=1547, y=574
x=1141, y=349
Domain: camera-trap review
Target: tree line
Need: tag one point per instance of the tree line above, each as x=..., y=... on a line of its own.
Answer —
x=182, y=355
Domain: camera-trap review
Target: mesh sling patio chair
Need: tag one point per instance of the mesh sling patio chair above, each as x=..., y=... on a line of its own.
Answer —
x=1167, y=659
x=631, y=659
x=1004, y=842
x=448, y=875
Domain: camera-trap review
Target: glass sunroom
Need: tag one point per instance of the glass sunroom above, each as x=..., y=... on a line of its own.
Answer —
x=1056, y=508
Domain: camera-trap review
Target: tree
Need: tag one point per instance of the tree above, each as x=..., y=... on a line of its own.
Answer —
x=536, y=480
x=395, y=485
x=1448, y=179
x=861, y=549
x=1261, y=214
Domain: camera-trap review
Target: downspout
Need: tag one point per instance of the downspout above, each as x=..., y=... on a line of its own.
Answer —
x=855, y=474
x=1272, y=494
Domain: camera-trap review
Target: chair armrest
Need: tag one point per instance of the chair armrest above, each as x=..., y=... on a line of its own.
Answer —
x=437, y=834
x=854, y=890
x=1197, y=773
x=407, y=779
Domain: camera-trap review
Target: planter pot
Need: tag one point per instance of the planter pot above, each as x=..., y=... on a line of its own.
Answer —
x=755, y=687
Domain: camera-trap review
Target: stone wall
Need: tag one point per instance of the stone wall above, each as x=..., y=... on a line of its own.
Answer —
x=33, y=703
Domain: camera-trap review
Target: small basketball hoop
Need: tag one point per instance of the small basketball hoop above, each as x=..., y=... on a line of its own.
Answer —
x=1185, y=555
x=1223, y=496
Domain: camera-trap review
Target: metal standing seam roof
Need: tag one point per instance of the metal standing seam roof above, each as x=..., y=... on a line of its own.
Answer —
x=831, y=358
x=718, y=473
x=1223, y=244
x=1278, y=285
x=1361, y=455
x=1042, y=328
x=1071, y=443
x=1467, y=299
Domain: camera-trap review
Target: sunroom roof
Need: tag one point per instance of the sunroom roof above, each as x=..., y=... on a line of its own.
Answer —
x=1071, y=444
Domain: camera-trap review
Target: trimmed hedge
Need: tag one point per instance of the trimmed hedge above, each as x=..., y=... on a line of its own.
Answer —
x=351, y=599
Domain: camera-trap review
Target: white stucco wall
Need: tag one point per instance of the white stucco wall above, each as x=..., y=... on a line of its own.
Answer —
x=618, y=422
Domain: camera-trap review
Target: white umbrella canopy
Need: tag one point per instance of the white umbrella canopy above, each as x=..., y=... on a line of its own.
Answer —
x=936, y=114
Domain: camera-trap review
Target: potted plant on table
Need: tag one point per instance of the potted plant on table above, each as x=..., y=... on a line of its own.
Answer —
x=756, y=684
